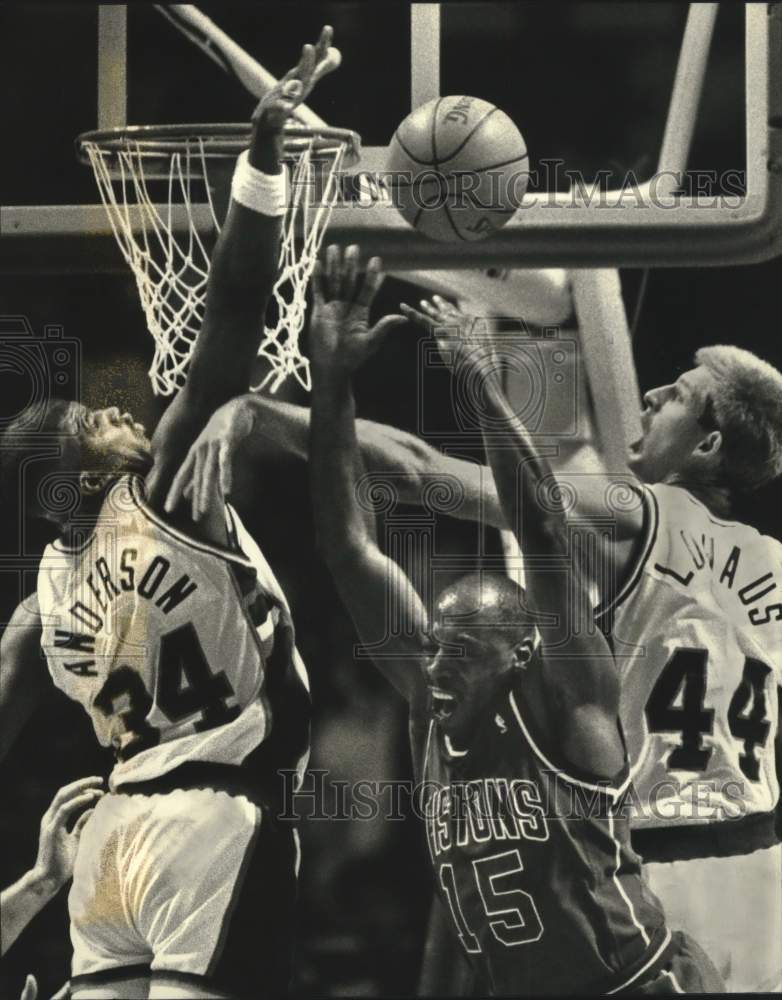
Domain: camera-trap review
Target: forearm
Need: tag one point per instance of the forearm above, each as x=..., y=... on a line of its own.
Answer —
x=241, y=277
x=384, y=449
x=521, y=473
x=248, y=245
x=21, y=902
x=336, y=467
x=576, y=657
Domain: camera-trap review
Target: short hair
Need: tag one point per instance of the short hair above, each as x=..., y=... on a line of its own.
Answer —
x=488, y=600
x=19, y=441
x=747, y=408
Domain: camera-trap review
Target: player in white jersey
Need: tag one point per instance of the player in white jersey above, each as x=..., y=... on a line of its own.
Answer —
x=701, y=662
x=177, y=640
x=701, y=647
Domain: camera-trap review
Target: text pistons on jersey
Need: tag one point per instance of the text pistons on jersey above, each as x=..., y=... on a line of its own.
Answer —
x=747, y=582
x=486, y=808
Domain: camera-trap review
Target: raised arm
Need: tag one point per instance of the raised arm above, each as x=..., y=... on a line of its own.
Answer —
x=242, y=274
x=369, y=583
x=23, y=675
x=578, y=670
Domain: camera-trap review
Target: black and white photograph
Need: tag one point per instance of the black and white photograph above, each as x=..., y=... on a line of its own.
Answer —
x=390, y=491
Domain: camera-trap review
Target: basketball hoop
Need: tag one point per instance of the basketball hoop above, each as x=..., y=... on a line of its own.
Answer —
x=163, y=186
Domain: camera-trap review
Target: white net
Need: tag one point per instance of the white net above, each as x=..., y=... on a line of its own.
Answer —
x=163, y=244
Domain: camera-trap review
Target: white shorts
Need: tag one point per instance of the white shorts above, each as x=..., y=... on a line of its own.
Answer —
x=193, y=885
x=732, y=907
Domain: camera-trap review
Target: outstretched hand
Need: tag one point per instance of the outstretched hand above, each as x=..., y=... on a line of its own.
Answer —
x=209, y=463
x=458, y=334
x=295, y=87
x=340, y=335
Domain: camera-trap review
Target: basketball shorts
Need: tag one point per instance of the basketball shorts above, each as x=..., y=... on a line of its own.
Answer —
x=196, y=886
x=732, y=906
x=686, y=968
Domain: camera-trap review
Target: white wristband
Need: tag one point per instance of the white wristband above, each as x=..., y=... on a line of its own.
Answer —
x=260, y=192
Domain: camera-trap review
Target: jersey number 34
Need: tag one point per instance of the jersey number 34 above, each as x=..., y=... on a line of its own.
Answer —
x=186, y=687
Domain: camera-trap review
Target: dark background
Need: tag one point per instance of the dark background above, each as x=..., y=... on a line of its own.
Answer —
x=587, y=82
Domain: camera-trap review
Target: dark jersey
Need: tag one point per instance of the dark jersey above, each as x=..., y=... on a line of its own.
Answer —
x=534, y=863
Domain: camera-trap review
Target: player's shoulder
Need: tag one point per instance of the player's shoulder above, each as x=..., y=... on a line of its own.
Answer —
x=212, y=536
x=27, y=612
x=677, y=508
x=695, y=547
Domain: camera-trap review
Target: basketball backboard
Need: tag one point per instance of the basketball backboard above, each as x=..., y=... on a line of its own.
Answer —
x=589, y=84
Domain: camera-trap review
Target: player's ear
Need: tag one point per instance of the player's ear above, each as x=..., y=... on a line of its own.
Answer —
x=93, y=483
x=523, y=651
x=710, y=444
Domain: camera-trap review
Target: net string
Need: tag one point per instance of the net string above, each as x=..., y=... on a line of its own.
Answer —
x=171, y=267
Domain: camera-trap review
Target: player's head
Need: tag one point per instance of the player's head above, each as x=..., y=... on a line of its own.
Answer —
x=719, y=423
x=483, y=635
x=69, y=443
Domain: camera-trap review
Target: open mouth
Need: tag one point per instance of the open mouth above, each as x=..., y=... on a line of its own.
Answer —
x=443, y=703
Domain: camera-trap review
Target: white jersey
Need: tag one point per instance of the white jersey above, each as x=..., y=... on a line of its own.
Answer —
x=168, y=642
x=697, y=634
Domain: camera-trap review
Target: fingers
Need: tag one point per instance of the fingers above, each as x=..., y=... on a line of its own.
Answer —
x=80, y=823
x=373, y=279
x=209, y=477
x=349, y=273
x=75, y=805
x=326, y=58
x=68, y=792
x=198, y=473
x=421, y=319
x=434, y=310
x=332, y=61
x=438, y=312
x=30, y=991
x=323, y=44
x=333, y=272
x=441, y=304
x=314, y=63
x=338, y=278
x=306, y=65
x=226, y=469
x=181, y=480
x=319, y=283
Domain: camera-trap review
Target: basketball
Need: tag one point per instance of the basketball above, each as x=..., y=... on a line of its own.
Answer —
x=459, y=168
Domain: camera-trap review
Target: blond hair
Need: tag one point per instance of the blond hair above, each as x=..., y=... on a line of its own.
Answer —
x=747, y=408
